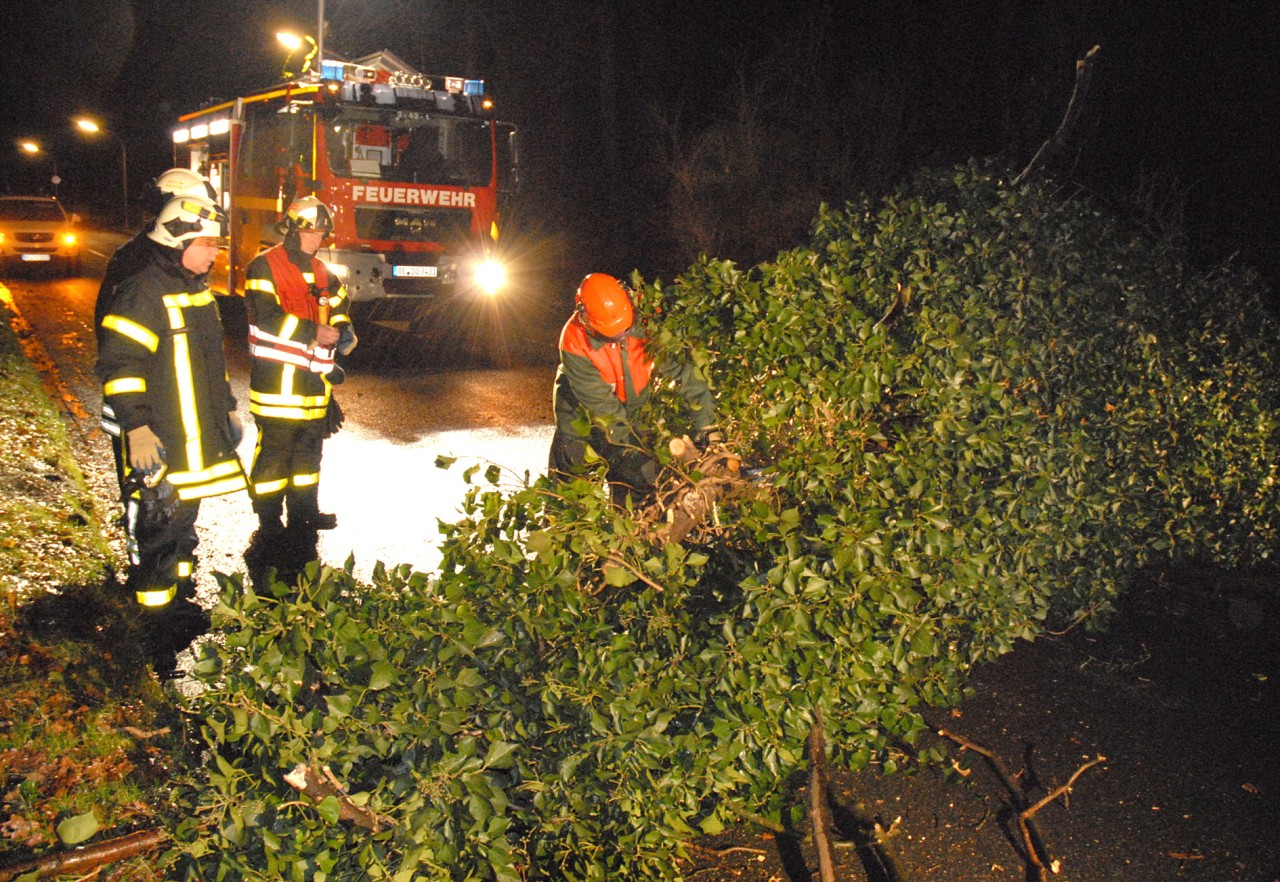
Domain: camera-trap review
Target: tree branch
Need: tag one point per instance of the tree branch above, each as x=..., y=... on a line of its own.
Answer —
x=818, y=799
x=87, y=859
x=1084, y=69
x=317, y=785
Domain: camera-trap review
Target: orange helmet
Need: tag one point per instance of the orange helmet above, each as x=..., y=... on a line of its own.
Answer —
x=604, y=305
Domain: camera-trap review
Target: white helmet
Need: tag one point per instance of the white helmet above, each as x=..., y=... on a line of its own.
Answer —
x=184, y=218
x=307, y=213
x=185, y=182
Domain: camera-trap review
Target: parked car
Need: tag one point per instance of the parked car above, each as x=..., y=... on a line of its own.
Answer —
x=37, y=230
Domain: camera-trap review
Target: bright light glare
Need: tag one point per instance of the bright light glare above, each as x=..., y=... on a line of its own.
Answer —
x=68, y=238
x=289, y=40
x=491, y=276
x=88, y=125
x=30, y=146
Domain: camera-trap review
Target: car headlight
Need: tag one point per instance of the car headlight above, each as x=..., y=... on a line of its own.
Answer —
x=68, y=239
x=491, y=276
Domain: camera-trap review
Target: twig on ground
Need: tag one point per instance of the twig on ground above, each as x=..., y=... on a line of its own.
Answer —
x=1037, y=851
x=87, y=858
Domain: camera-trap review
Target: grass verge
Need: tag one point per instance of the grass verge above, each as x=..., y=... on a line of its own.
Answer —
x=84, y=752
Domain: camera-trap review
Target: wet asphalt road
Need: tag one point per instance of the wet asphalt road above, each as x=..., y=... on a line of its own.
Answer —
x=379, y=474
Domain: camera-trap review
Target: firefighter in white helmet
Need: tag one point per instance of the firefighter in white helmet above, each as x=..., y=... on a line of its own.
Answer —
x=127, y=260
x=298, y=321
x=164, y=375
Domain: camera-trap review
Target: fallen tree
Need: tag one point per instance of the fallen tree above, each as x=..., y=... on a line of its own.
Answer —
x=979, y=409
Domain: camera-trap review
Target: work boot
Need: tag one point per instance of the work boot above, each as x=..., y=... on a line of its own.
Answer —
x=304, y=511
x=171, y=630
x=320, y=520
x=270, y=527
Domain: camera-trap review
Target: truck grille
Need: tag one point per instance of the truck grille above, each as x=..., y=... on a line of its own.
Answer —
x=412, y=224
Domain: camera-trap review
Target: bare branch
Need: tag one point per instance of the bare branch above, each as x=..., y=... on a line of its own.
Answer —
x=88, y=858
x=1084, y=69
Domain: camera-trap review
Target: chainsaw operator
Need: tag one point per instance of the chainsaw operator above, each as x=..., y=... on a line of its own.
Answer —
x=606, y=371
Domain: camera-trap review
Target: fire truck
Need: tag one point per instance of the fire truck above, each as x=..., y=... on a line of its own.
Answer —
x=414, y=167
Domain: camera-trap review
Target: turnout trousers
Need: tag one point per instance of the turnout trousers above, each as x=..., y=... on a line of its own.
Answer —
x=286, y=469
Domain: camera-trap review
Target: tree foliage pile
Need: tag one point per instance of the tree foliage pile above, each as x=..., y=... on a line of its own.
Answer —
x=979, y=409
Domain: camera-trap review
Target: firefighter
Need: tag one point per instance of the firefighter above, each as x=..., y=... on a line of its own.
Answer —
x=606, y=371
x=164, y=375
x=297, y=321
x=130, y=257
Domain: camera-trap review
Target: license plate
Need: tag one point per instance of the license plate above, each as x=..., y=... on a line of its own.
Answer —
x=35, y=257
x=418, y=272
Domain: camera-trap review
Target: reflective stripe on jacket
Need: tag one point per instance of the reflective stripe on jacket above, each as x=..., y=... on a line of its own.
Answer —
x=289, y=379
x=162, y=364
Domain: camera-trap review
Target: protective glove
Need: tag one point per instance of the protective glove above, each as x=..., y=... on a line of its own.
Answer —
x=235, y=428
x=146, y=453
x=346, y=339
x=336, y=376
x=704, y=438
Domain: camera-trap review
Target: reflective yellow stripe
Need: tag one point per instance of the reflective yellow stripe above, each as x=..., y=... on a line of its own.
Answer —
x=186, y=392
x=290, y=413
x=289, y=325
x=266, y=487
x=306, y=480
x=295, y=400
x=264, y=285
x=213, y=488
x=123, y=385
x=213, y=473
x=184, y=569
x=133, y=331
x=183, y=301
x=156, y=596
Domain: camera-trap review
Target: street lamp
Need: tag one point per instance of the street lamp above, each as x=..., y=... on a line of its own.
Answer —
x=293, y=43
x=33, y=148
x=85, y=124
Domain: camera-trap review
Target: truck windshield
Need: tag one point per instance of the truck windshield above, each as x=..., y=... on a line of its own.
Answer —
x=415, y=148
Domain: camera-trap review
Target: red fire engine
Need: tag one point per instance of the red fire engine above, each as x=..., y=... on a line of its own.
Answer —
x=414, y=167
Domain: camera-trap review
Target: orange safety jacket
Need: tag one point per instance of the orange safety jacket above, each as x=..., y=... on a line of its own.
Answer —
x=624, y=366
x=289, y=377
x=612, y=379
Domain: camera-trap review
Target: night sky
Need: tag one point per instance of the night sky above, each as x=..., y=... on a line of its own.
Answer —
x=1178, y=115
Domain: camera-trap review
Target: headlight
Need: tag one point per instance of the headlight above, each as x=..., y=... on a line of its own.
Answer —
x=491, y=276
x=68, y=239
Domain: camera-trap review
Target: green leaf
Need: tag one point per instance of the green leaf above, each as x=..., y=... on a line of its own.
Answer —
x=444, y=462
x=339, y=705
x=501, y=755
x=618, y=577
x=73, y=831
x=329, y=808
x=383, y=675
